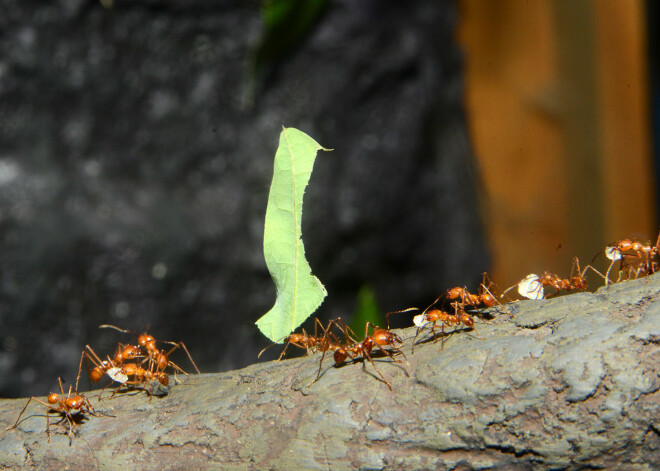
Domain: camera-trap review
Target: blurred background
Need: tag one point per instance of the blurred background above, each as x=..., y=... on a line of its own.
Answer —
x=562, y=103
x=137, y=139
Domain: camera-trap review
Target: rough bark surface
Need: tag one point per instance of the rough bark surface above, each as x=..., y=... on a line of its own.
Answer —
x=569, y=383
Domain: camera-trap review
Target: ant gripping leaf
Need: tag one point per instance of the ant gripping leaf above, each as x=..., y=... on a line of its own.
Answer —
x=299, y=293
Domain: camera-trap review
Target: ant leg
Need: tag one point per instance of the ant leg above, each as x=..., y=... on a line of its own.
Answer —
x=59, y=380
x=391, y=353
x=349, y=335
x=419, y=329
x=508, y=289
x=183, y=345
x=326, y=333
x=594, y=270
x=21, y=413
x=442, y=343
x=90, y=408
x=348, y=332
x=89, y=371
x=368, y=357
x=318, y=374
x=271, y=345
x=71, y=425
x=48, y=424
x=496, y=300
x=79, y=370
x=283, y=351
x=557, y=291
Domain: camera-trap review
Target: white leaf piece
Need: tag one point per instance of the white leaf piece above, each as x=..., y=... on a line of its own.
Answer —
x=116, y=375
x=420, y=320
x=531, y=287
x=613, y=253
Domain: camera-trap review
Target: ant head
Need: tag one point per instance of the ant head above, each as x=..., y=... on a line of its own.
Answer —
x=296, y=338
x=145, y=339
x=456, y=292
x=625, y=244
x=53, y=398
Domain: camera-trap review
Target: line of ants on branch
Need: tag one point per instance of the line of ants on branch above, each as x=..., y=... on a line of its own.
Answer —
x=145, y=366
x=457, y=307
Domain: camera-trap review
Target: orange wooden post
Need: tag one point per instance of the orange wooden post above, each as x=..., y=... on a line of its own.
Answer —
x=557, y=106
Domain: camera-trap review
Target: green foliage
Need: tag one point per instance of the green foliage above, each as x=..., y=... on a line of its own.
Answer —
x=299, y=293
x=286, y=22
x=367, y=310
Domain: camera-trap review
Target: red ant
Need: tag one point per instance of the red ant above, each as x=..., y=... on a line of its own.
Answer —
x=133, y=375
x=67, y=406
x=352, y=349
x=645, y=254
x=532, y=286
x=157, y=358
x=433, y=316
x=121, y=371
x=310, y=343
x=483, y=299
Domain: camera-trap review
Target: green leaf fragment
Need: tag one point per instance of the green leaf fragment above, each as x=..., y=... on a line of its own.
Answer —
x=299, y=293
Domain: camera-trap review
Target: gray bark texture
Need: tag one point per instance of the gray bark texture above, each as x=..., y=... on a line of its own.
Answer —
x=568, y=383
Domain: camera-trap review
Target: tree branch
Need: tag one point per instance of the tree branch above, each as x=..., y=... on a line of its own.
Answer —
x=570, y=382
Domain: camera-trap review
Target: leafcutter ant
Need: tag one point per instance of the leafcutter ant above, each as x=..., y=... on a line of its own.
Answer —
x=446, y=319
x=533, y=286
x=636, y=258
x=311, y=343
x=380, y=338
x=466, y=300
x=70, y=407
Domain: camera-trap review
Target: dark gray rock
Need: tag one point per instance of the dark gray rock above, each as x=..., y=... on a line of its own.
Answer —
x=570, y=383
x=136, y=154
